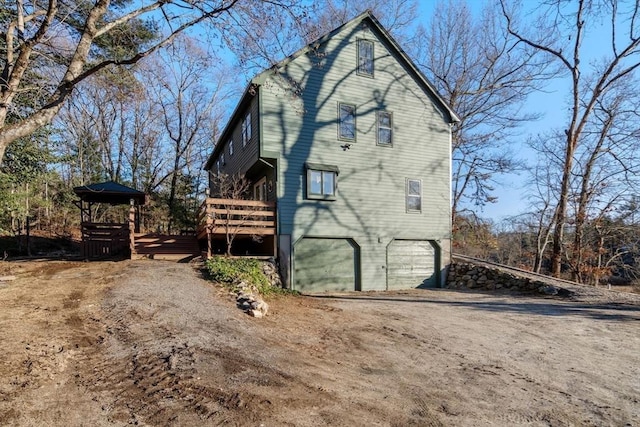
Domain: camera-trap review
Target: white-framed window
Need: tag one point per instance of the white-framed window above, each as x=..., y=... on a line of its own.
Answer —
x=321, y=181
x=246, y=129
x=346, y=121
x=218, y=167
x=385, y=128
x=230, y=147
x=414, y=195
x=222, y=162
x=365, y=58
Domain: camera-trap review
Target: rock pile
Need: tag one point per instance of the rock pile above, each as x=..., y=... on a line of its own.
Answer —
x=248, y=300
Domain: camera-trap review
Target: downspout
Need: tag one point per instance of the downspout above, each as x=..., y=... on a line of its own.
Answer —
x=450, y=185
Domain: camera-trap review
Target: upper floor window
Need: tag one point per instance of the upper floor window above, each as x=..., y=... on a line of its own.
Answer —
x=222, y=159
x=346, y=121
x=218, y=167
x=414, y=195
x=365, y=57
x=230, y=147
x=246, y=129
x=385, y=122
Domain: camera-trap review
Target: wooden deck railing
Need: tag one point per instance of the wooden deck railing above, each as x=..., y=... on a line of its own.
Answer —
x=217, y=217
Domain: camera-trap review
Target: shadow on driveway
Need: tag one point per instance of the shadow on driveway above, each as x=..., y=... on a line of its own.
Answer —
x=598, y=311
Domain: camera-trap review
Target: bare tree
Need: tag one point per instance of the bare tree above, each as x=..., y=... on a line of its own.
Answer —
x=606, y=166
x=232, y=188
x=473, y=236
x=187, y=105
x=67, y=35
x=559, y=32
x=274, y=33
x=95, y=124
x=542, y=190
x=485, y=76
x=540, y=221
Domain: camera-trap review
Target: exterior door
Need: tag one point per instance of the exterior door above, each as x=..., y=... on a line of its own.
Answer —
x=260, y=189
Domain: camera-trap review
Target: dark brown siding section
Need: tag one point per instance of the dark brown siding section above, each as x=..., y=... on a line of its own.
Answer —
x=243, y=157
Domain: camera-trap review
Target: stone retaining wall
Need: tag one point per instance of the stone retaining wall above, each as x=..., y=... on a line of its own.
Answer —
x=471, y=276
x=270, y=269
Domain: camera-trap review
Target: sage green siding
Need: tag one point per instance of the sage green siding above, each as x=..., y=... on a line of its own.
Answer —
x=299, y=121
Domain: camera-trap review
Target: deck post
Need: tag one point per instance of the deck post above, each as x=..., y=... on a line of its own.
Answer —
x=209, y=225
x=132, y=227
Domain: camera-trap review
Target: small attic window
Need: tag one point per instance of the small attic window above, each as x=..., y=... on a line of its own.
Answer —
x=365, y=58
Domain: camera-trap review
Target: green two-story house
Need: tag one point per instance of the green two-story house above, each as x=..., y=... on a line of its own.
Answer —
x=353, y=145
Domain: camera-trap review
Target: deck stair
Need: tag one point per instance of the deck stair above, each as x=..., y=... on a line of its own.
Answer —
x=166, y=247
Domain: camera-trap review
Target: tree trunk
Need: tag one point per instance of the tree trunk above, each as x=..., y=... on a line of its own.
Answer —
x=172, y=198
x=561, y=210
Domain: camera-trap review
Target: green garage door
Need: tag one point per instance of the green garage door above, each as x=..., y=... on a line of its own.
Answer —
x=411, y=264
x=322, y=264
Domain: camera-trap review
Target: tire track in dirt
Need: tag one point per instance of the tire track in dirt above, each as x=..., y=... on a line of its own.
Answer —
x=46, y=307
x=151, y=369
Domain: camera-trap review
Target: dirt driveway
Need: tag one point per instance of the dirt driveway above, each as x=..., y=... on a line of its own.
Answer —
x=151, y=343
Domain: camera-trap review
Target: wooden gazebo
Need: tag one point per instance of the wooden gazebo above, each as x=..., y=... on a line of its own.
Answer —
x=101, y=240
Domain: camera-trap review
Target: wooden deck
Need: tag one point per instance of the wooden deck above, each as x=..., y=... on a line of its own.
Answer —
x=251, y=222
x=219, y=217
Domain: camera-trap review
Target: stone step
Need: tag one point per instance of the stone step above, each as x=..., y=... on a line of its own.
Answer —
x=184, y=257
x=170, y=247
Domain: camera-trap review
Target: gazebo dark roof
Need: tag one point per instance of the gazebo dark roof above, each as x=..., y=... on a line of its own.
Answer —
x=109, y=192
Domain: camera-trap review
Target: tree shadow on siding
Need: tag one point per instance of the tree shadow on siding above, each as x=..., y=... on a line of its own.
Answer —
x=309, y=96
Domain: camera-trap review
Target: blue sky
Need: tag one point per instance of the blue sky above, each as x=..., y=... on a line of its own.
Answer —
x=551, y=104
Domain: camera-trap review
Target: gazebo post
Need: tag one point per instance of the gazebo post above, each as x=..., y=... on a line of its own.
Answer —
x=138, y=215
x=132, y=227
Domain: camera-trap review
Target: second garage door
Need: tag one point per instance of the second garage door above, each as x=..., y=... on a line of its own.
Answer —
x=411, y=264
x=322, y=264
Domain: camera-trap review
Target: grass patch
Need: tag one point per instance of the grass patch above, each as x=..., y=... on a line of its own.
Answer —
x=231, y=271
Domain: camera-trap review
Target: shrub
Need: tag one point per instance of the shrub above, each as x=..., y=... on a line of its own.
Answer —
x=231, y=271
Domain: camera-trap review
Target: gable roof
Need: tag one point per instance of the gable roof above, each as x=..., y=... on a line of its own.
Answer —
x=260, y=78
x=109, y=192
x=367, y=16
